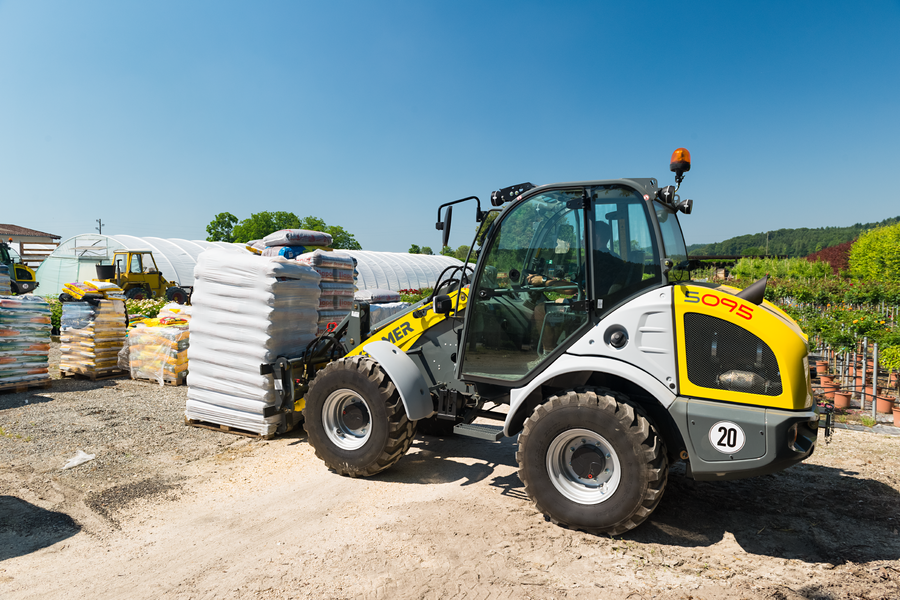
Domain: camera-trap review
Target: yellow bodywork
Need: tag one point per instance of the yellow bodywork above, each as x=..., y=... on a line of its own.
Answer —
x=404, y=331
x=767, y=322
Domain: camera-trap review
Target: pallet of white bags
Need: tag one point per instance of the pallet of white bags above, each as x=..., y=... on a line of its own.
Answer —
x=94, y=375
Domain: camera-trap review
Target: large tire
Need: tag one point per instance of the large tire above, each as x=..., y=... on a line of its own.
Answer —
x=176, y=294
x=589, y=460
x=355, y=419
x=137, y=293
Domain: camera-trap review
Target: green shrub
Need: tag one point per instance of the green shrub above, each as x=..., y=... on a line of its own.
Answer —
x=149, y=307
x=876, y=255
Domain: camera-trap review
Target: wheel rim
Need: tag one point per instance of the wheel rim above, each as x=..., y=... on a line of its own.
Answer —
x=583, y=466
x=346, y=418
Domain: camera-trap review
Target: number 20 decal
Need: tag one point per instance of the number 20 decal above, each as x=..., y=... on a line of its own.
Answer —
x=727, y=437
x=730, y=304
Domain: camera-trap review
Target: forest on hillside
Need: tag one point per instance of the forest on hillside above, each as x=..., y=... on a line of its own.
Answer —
x=787, y=242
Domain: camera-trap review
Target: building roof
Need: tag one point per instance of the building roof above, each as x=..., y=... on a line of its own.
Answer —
x=7, y=229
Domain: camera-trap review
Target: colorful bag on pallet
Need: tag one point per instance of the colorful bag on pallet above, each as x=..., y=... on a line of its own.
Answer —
x=24, y=340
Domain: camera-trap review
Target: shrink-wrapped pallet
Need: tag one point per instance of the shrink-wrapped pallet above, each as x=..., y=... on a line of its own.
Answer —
x=5, y=285
x=158, y=353
x=91, y=336
x=24, y=340
x=246, y=310
x=338, y=284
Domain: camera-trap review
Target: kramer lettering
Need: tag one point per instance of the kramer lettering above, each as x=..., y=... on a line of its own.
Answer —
x=398, y=333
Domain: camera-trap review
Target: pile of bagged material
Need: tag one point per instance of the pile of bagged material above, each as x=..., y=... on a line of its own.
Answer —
x=338, y=284
x=291, y=243
x=5, y=286
x=91, y=336
x=158, y=353
x=175, y=312
x=24, y=340
x=94, y=290
x=246, y=310
x=383, y=304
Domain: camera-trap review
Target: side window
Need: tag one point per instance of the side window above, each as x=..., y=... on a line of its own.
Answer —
x=625, y=257
x=136, y=263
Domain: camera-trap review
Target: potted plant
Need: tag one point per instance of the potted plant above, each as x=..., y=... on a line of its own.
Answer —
x=890, y=360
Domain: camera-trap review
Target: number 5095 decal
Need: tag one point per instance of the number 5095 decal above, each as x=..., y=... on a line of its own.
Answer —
x=729, y=304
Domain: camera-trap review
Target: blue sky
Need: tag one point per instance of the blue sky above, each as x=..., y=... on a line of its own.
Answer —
x=156, y=116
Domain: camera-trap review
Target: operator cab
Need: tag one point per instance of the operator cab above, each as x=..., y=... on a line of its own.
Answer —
x=556, y=261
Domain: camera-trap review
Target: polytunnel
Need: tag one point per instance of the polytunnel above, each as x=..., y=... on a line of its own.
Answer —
x=76, y=258
x=398, y=270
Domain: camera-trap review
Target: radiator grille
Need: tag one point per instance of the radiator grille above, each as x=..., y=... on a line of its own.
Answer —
x=722, y=355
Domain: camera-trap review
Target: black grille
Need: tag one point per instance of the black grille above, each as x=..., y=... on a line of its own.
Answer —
x=721, y=355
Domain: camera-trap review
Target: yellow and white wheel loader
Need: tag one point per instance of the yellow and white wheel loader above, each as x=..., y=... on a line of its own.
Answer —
x=579, y=331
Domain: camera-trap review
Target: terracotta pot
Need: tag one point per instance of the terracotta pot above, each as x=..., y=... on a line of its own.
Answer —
x=893, y=379
x=884, y=404
x=828, y=390
x=842, y=399
x=823, y=379
x=897, y=416
x=821, y=368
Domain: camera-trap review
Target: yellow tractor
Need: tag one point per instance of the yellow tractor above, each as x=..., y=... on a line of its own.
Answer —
x=135, y=271
x=21, y=276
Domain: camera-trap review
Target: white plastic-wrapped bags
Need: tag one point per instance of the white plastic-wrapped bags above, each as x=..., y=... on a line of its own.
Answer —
x=246, y=310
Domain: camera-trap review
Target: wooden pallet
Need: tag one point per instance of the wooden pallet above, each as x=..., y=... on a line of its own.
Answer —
x=177, y=381
x=226, y=429
x=111, y=373
x=23, y=386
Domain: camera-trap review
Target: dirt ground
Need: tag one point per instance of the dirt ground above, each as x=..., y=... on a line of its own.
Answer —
x=170, y=511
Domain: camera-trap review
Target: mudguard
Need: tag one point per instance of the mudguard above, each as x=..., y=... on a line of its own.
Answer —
x=406, y=376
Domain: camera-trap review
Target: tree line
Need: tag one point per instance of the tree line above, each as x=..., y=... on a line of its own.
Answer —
x=787, y=242
x=225, y=227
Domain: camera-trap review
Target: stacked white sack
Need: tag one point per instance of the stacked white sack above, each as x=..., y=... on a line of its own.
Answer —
x=246, y=310
x=383, y=304
x=338, y=273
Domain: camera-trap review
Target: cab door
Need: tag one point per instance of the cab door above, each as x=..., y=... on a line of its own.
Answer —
x=529, y=296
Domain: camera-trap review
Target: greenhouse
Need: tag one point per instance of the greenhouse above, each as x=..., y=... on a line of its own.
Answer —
x=76, y=258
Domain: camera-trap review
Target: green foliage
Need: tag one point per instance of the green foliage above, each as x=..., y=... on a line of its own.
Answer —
x=413, y=296
x=221, y=229
x=261, y=224
x=226, y=228
x=876, y=255
x=787, y=242
x=787, y=268
x=149, y=308
x=414, y=249
x=55, y=310
x=890, y=358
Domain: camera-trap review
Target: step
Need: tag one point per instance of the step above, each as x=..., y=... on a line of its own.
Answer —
x=482, y=432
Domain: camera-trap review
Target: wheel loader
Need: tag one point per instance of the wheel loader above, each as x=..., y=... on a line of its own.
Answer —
x=135, y=271
x=578, y=330
x=21, y=277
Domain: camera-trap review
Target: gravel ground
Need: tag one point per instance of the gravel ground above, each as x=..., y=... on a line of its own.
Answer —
x=168, y=510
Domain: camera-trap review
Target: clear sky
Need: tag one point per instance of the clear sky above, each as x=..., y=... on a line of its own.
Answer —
x=155, y=116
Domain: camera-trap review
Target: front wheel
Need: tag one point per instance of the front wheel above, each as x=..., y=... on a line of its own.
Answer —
x=355, y=419
x=589, y=460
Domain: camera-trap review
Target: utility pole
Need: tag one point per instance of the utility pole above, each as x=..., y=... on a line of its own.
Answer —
x=99, y=226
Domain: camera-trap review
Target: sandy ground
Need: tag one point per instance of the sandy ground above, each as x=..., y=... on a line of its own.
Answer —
x=233, y=517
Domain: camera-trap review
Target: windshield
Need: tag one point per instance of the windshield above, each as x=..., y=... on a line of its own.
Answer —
x=673, y=240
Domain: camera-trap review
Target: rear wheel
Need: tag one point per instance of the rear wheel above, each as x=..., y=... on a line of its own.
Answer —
x=355, y=419
x=64, y=297
x=136, y=293
x=589, y=460
x=176, y=294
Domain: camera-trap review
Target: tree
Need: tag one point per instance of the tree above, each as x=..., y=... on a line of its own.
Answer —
x=876, y=255
x=426, y=250
x=221, y=228
x=340, y=237
x=461, y=252
x=259, y=225
x=448, y=251
x=414, y=249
